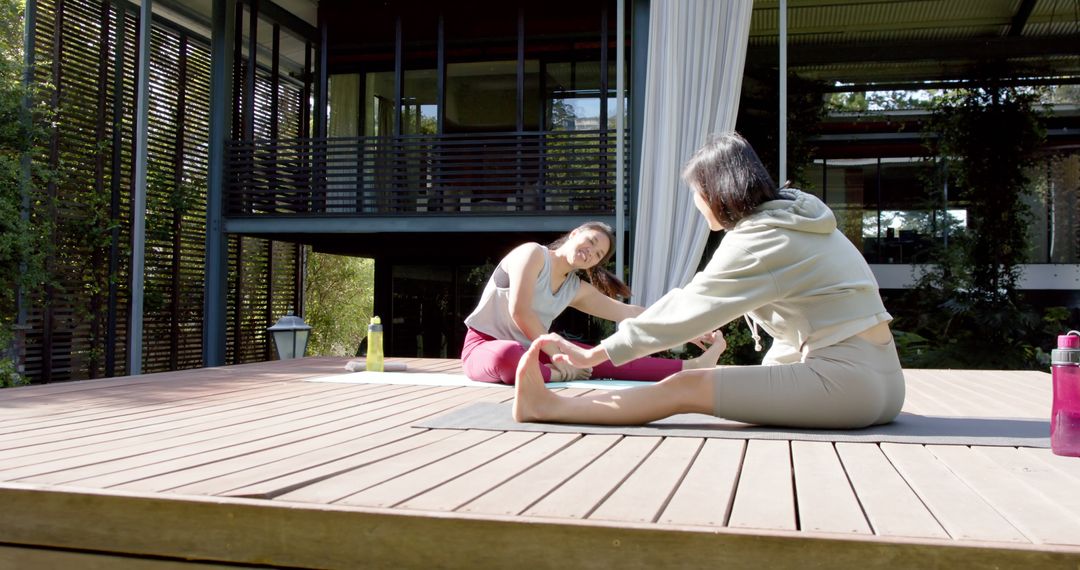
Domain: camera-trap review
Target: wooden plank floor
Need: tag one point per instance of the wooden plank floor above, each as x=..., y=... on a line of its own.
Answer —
x=142, y=471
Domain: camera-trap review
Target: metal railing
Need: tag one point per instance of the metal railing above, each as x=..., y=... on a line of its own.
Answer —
x=410, y=175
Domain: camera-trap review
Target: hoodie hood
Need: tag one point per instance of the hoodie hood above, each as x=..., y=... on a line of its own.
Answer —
x=796, y=210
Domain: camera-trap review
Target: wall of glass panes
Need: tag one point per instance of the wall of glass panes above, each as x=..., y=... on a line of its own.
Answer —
x=895, y=209
x=480, y=97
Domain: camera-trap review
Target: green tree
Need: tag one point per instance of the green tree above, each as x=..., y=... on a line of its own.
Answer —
x=338, y=300
x=967, y=309
x=1062, y=94
x=563, y=115
x=21, y=136
x=860, y=101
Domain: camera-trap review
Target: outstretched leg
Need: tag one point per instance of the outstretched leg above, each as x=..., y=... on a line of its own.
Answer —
x=687, y=391
x=493, y=360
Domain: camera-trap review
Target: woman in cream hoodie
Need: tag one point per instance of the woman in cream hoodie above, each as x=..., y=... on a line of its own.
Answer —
x=786, y=269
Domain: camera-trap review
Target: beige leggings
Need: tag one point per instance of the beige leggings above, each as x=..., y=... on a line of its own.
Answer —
x=851, y=384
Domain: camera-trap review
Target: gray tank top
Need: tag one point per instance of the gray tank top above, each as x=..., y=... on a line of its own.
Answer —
x=492, y=314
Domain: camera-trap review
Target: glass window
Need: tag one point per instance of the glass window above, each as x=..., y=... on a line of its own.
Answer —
x=1065, y=196
x=344, y=96
x=887, y=207
x=910, y=219
x=572, y=96
x=420, y=103
x=847, y=186
x=430, y=303
x=422, y=310
x=1040, y=212
x=343, y=121
x=482, y=96
x=1055, y=235
x=379, y=104
x=897, y=209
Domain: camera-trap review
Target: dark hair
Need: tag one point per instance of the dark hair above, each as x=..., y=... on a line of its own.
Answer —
x=604, y=280
x=730, y=177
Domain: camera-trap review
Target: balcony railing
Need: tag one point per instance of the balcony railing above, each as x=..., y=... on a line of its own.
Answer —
x=492, y=173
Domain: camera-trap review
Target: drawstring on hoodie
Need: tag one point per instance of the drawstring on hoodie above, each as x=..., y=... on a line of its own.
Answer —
x=753, y=332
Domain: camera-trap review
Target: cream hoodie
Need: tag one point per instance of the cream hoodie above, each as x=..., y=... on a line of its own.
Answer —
x=787, y=268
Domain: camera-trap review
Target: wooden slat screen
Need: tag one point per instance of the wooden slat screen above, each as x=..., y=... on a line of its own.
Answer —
x=176, y=202
x=262, y=274
x=78, y=324
x=68, y=321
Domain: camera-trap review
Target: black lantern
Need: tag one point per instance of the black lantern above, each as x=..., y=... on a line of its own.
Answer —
x=290, y=336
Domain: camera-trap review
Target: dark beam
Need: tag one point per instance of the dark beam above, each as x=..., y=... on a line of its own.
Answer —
x=269, y=9
x=277, y=227
x=979, y=49
x=288, y=20
x=1021, y=17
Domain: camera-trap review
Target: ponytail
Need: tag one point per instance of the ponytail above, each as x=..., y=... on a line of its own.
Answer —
x=607, y=283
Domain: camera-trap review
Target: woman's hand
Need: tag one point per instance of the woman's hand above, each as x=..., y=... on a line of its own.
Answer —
x=708, y=339
x=561, y=369
x=566, y=372
x=574, y=355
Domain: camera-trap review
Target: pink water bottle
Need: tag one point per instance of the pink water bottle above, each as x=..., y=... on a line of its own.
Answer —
x=1065, y=414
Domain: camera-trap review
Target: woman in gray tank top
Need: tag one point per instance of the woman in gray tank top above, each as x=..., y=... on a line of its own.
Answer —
x=531, y=286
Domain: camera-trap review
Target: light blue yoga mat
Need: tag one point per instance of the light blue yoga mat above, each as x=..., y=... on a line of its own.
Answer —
x=908, y=428
x=437, y=379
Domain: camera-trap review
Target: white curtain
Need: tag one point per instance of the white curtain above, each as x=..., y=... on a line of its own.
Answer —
x=694, y=75
x=344, y=118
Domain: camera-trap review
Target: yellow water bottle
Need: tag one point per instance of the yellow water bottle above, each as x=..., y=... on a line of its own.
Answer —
x=374, y=361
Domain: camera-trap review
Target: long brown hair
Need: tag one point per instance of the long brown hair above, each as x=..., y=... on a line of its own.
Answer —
x=605, y=281
x=730, y=177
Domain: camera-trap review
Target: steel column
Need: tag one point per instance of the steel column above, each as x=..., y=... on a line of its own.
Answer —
x=221, y=65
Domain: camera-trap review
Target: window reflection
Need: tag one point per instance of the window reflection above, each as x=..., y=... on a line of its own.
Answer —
x=482, y=96
x=848, y=186
x=1055, y=209
x=573, y=92
x=420, y=102
x=343, y=101
x=379, y=104
x=896, y=210
x=890, y=208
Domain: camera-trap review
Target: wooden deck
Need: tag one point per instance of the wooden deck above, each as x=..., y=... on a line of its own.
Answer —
x=250, y=466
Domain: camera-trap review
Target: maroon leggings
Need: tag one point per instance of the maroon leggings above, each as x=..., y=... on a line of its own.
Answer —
x=488, y=359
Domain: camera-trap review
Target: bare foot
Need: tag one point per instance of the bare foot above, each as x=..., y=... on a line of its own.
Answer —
x=531, y=397
x=711, y=355
x=582, y=374
x=567, y=373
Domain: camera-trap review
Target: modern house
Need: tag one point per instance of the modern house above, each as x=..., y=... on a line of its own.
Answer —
x=434, y=136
